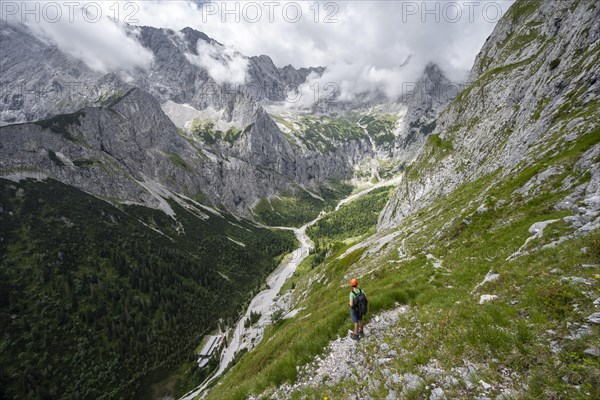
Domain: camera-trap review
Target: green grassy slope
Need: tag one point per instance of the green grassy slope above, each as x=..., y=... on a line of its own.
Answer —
x=93, y=299
x=353, y=221
x=510, y=333
x=435, y=258
x=511, y=330
x=295, y=208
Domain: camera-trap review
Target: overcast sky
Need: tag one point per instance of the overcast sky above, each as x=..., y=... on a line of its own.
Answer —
x=363, y=43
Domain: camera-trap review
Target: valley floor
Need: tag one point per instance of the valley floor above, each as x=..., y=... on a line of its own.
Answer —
x=482, y=295
x=267, y=303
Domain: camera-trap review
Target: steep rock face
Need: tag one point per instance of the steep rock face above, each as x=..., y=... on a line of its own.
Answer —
x=173, y=76
x=240, y=109
x=266, y=81
x=534, y=84
x=423, y=103
x=291, y=76
x=192, y=36
x=104, y=151
x=39, y=80
x=265, y=76
x=262, y=145
x=130, y=150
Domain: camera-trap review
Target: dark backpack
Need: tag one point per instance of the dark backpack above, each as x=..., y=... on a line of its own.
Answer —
x=360, y=303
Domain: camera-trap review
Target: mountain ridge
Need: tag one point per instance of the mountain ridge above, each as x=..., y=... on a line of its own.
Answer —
x=482, y=270
x=207, y=162
x=535, y=113
x=171, y=77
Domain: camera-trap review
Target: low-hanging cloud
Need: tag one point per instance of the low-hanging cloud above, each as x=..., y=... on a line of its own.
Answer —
x=223, y=63
x=363, y=44
x=90, y=35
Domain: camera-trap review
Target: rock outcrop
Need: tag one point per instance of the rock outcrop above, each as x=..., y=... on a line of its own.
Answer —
x=110, y=138
x=530, y=74
x=128, y=147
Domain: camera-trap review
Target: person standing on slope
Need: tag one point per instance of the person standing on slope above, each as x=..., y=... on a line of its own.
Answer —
x=358, y=308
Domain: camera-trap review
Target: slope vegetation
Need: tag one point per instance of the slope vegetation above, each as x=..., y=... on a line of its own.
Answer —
x=96, y=299
x=491, y=241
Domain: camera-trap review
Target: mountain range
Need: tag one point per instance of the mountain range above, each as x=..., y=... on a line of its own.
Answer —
x=198, y=137
x=137, y=215
x=482, y=267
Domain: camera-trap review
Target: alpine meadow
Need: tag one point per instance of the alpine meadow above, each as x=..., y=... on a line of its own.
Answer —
x=181, y=219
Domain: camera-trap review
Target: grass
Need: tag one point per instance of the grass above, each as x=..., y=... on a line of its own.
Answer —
x=511, y=330
x=179, y=162
x=438, y=142
x=541, y=106
x=522, y=9
x=295, y=208
x=110, y=99
x=436, y=149
x=516, y=43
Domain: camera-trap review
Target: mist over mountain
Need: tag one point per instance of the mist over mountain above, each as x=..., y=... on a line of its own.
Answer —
x=299, y=34
x=185, y=195
x=226, y=133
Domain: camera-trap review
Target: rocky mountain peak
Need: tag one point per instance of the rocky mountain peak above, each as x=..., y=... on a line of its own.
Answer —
x=192, y=37
x=423, y=101
x=432, y=70
x=530, y=75
x=176, y=74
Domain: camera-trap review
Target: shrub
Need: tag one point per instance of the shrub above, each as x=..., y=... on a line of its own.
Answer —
x=254, y=317
x=558, y=300
x=438, y=142
x=277, y=316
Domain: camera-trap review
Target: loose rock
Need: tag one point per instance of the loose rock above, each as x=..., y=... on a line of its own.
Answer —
x=437, y=394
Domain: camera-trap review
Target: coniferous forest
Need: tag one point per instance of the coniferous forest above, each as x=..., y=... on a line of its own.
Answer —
x=93, y=297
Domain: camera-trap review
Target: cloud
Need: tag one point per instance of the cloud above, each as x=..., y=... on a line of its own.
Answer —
x=89, y=35
x=363, y=43
x=223, y=63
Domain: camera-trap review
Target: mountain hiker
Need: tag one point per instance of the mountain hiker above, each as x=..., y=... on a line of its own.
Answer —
x=358, y=308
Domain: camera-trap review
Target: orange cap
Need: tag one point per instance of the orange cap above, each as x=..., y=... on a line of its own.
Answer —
x=353, y=282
